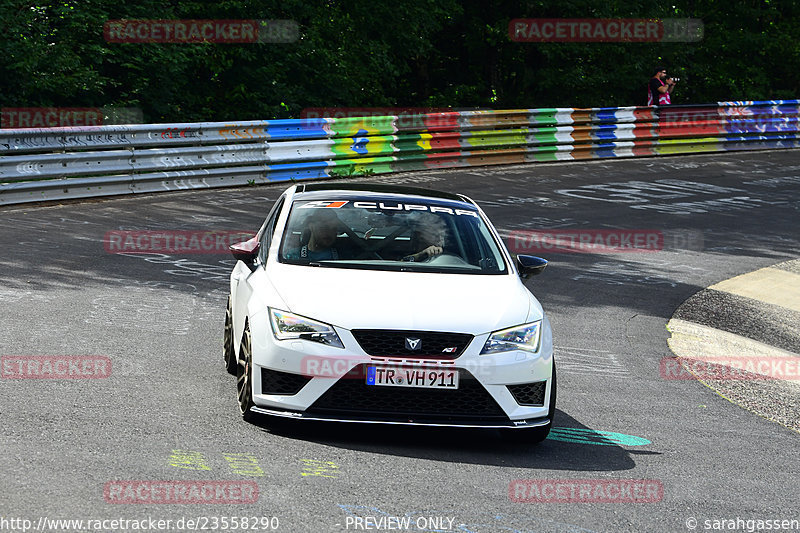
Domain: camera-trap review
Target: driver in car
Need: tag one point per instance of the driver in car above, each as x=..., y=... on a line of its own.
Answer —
x=429, y=235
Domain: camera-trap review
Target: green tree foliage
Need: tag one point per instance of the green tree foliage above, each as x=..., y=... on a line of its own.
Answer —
x=368, y=53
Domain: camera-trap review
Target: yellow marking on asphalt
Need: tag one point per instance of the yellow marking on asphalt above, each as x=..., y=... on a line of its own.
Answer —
x=770, y=285
x=244, y=464
x=188, y=459
x=313, y=467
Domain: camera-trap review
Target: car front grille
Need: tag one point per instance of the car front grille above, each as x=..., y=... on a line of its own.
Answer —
x=352, y=396
x=528, y=393
x=429, y=344
x=274, y=382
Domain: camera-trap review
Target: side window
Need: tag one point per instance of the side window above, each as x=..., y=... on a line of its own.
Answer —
x=269, y=230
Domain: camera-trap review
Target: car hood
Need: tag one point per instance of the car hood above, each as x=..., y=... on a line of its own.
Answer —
x=371, y=299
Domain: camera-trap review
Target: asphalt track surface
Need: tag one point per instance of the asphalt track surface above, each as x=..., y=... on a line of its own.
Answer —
x=168, y=410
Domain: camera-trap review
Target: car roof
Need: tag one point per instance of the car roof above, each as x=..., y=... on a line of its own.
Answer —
x=380, y=188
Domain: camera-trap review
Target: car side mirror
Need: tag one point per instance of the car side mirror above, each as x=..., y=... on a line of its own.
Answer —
x=530, y=265
x=245, y=251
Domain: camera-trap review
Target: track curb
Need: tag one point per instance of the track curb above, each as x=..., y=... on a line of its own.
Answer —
x=741, y=338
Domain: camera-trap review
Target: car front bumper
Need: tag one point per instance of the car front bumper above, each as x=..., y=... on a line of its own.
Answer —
x=331, y=385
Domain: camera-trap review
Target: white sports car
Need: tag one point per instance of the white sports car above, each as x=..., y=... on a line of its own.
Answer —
x=384, y=304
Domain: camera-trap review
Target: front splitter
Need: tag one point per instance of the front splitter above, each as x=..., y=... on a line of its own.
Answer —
x=510, y=424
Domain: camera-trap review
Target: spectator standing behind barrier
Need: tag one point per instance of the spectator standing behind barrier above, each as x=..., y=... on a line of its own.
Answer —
x=659, y=90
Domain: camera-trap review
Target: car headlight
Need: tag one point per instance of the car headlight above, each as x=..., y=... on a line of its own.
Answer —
x=290, y=326
x=524, y=337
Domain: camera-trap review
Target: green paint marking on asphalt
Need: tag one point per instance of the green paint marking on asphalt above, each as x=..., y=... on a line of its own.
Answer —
x=592, y=436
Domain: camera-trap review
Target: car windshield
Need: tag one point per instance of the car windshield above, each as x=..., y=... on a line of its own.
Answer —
x=390, y=233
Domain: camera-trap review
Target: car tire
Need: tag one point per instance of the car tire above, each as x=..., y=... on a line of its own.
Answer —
x=537, y=435
x=228, y=352
x=244, y=375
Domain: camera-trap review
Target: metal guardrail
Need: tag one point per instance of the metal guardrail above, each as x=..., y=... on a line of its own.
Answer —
x=79, y=162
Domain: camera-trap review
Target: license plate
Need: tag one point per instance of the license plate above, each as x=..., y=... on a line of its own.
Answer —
x=430, y=378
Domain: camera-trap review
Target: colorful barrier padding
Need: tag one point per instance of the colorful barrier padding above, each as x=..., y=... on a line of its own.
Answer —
x=58, y=163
